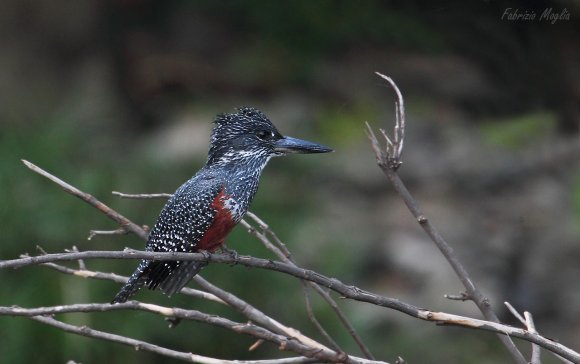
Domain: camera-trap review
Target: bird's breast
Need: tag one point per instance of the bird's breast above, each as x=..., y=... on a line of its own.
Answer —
x=225, y=219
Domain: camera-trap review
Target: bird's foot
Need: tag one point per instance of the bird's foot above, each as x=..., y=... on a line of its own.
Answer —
x=206, y=256
x=234, y=254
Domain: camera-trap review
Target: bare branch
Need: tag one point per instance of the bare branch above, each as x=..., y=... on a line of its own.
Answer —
x=214, y=293
x=396, y=145
x=532, y=328
x=283, y=253
x=347, y=291
x=142, y=345
x=112, y=214
x=314, y=320
x=390, y=170
x=282, y=341
x=146, y=196
x=256, y=315
x=514, y=312
x=119, y=231
x=457, y=297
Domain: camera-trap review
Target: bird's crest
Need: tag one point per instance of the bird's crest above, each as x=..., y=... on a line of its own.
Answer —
x=230, y=128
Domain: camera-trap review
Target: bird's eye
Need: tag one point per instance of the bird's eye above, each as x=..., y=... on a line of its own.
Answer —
x=265, y=135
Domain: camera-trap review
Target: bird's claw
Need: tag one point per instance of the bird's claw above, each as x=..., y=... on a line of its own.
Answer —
x=232, y=253
x=206, y=257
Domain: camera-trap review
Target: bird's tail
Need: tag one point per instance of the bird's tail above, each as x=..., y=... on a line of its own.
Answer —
x=179, y=276
x=170, y=276
x=134, y=284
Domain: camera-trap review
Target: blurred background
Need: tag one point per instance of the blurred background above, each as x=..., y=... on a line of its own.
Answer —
x=120, y=95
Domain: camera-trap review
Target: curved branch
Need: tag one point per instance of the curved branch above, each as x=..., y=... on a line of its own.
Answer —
x=389, y=162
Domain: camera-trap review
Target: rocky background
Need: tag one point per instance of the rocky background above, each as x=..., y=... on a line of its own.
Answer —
x=120, y=95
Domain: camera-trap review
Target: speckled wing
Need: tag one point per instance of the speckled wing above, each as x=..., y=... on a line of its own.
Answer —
x=181, y=226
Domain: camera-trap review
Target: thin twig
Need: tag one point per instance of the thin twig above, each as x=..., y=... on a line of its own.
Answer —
x=514, y=312
x=535, y=359
x=388, y=164
x=268, y=244
x=112, y=214
x=312, y=317
x=457, y=297
x=283, y=253
x=119, y=231
x=394, y=155
x=142, y=195
x=255, y=315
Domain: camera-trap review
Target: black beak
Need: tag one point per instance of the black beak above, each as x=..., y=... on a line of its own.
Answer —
x=288, y=145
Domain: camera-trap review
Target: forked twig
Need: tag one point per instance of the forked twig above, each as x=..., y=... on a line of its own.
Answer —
x=388, y=159
x=528, y=322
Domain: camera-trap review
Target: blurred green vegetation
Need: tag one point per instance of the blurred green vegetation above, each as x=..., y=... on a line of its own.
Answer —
x=519, y=131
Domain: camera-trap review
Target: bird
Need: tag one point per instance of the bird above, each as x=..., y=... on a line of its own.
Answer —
x=203, y=211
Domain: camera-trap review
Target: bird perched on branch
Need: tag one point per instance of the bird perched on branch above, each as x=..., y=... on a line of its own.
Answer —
x=202, y=212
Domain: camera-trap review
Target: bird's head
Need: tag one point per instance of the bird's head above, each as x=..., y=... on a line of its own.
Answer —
x=249, y=133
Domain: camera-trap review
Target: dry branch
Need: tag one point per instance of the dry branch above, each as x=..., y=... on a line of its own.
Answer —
x=283, y=253
x=283, y=342
x=334, y=284
x=112, y=214
x=388, y=160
